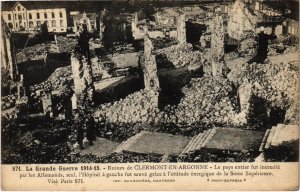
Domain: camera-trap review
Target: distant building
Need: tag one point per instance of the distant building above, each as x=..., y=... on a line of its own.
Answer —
x=88, y=19
x=29, y=16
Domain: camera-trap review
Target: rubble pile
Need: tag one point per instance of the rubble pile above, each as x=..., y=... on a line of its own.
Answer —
x=274, y=82
x=39, y=153
x=61, y=79
x=181, y=55
x=160, y=43
x=207, y=100
x=8, y=101
x=134, y=108
x=37, y=52
x=275, y=49
x=66, y=44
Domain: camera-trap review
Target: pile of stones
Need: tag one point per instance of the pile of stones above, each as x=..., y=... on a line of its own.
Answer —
x=278, y=49
x=61, y=79
x=133, y=109
x=181, y=55
x=207, y=100
x=66, y=44
x=274, y=82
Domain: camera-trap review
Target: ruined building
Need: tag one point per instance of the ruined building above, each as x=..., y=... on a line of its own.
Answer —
x=240, y=20
x=150, y=71
x=217, y=45
x=7, y=51
x=181, y=31
x=244, y=20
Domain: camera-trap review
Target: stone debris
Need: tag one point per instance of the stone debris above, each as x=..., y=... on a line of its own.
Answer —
x=60, y=79
x=274, y=82
x=181, y=55
x=207, y=100
x=292, y=114
x=136, y=107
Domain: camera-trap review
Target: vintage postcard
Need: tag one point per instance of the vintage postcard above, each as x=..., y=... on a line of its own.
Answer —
x=150, y=95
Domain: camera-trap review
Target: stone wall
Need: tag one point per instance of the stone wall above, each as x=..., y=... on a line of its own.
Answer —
x=7, y=58
x=83, y=82
x=150, y=68
x=181, y=31
x=101, y=24
x=217, y=45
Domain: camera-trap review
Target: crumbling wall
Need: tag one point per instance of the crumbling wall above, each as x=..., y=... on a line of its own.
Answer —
x=150, y=72
x=217, y=45
x=181, y=31
x=7, y=58
x=134, y=28
x=150, y=68
x=83, y=81
x=101, y=24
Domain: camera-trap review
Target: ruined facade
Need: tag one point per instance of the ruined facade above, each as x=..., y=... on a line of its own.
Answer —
x=181, y=31
x=217, y=45
x=240, y=20
x=83, y=82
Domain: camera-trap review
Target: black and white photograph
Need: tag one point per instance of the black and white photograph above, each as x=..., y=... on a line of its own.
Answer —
x=149, y=81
